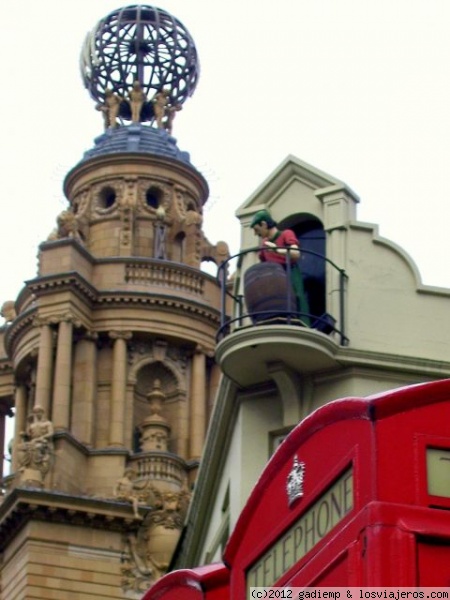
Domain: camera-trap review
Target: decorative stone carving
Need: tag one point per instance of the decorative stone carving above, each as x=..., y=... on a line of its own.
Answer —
x=128, y=490
x=110, y=109
x=160, y=104
x=179, y=203
x=160, y=228
x=81, y=202
x=136, y=99
x=175, y=358
x=171, y=112
x=66, y=226
x=35, y=452
x=164, y=195
x=105, y=196
x=148, y=552
x=120, y=335
x=193, y=218
x=8, y=311
x=218, y=253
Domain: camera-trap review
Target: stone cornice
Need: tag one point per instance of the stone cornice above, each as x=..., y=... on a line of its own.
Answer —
x=68, y=241
x=353, y=357
x=118, y=298
x=22, y=505
x=21, y=322
x=73, y=280
x=88, y=167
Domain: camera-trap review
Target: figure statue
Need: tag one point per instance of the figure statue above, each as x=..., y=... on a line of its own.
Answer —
x=66, y=226
x=136, y=100
x=170, y=116
x=8, y=311
x=160, y=102
x=36, y=450
x=279, y=247
x=110, y=109
x=127, y=490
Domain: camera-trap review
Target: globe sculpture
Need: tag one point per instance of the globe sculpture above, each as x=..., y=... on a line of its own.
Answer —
x=139, y=63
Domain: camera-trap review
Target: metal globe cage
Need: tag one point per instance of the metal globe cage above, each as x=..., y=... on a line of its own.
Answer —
x=139, y=43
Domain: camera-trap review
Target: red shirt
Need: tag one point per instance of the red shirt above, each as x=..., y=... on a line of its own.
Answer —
x=284, y=239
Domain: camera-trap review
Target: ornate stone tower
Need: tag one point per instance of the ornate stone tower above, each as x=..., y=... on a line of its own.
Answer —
x=109, y=350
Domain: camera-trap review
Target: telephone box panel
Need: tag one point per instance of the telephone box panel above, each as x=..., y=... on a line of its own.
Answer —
x=358, y=494
x=330, y=507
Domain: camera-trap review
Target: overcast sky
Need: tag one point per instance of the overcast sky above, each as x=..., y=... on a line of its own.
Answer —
x=358, y=88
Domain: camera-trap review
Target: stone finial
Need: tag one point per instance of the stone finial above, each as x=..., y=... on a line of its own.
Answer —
x=154, y=429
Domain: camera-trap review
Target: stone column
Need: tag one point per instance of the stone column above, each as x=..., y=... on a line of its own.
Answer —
x=129, y=431
x=63, y=372
x=198, y=404
x=20, y=403
x=118, y=388
x=44, y=368
x=84, y=380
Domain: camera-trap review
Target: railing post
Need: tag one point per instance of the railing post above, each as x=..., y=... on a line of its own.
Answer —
x=223, y=284
x=342, y=307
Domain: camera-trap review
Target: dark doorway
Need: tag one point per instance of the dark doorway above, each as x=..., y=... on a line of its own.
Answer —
x=311, y=236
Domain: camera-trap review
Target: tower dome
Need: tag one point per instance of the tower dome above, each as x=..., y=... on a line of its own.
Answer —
x=140, y=46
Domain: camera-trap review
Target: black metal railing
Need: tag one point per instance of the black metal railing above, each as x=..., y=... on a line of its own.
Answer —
x=290, y=314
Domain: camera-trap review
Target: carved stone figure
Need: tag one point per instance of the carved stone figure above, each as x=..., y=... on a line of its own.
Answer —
x=193, y=218
x=66, y=226
x=128, y=490
x=171, y=111
x=110, y=109
x=160, y=102
x=136, y=100
x=35, y=453
x=8, y=311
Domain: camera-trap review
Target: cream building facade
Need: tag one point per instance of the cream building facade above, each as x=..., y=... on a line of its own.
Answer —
x=374, y=327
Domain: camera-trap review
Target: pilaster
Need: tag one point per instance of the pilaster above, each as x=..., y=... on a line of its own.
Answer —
x=118, y=387
x=198, y=403
x=44, y=367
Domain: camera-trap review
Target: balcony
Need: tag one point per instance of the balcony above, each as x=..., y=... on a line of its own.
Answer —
x=160, y=467
x=264, y=324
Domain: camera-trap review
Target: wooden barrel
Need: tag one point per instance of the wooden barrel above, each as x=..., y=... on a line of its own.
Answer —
x=266, y=292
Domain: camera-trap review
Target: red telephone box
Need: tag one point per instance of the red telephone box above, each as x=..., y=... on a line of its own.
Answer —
x=357, y=495
x=204, y=583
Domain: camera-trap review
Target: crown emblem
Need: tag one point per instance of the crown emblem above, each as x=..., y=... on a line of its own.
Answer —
x=294, y=484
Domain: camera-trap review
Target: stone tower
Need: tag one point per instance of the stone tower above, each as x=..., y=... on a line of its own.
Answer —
x=109, y=352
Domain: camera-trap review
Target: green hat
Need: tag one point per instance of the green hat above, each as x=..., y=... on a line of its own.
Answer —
x=261, y=215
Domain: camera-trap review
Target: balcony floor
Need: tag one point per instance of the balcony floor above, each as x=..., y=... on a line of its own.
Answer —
x=245, y=356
